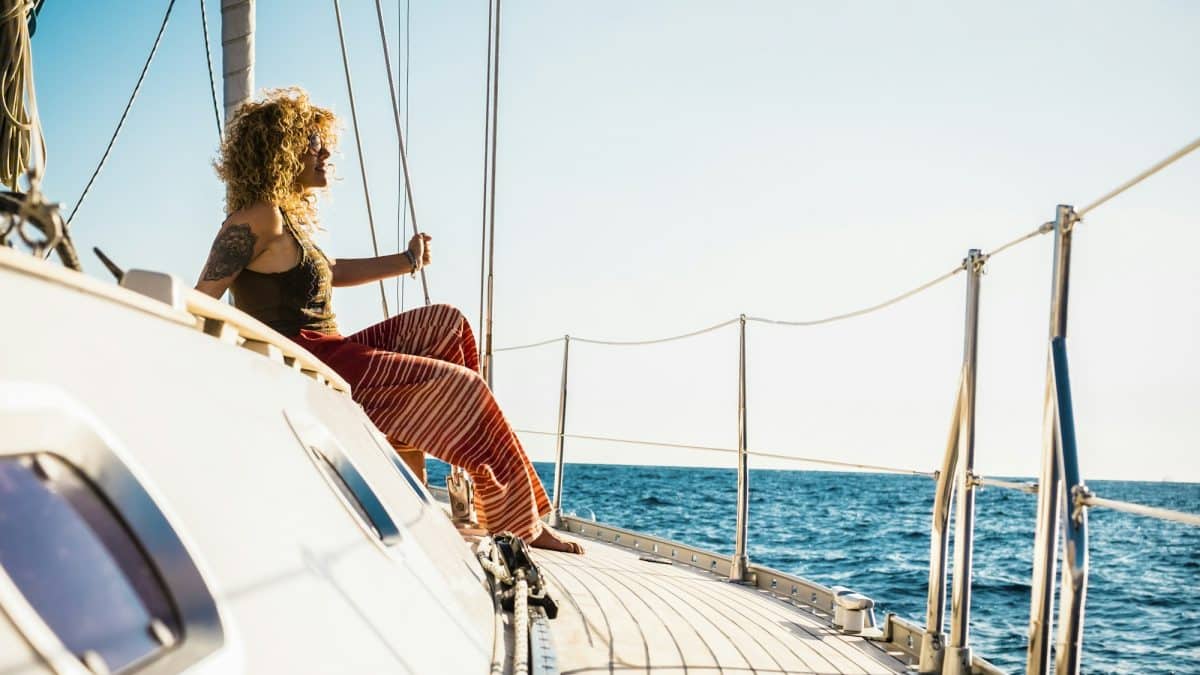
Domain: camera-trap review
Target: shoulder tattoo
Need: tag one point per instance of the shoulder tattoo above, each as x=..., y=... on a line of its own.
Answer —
x=232, y=250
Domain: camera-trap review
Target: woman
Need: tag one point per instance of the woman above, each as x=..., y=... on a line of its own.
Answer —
x=415, y=374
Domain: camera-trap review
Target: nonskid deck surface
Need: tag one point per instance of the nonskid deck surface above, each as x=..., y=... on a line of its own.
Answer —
x=620, y=613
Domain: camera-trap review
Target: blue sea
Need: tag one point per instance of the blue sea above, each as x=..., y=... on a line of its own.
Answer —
x=870, y=532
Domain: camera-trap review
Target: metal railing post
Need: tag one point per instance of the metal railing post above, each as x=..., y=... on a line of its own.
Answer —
x=958, y=650
x=1075, y=554
x=556, y=511
x=1045, y=559
x=933, y=642
x=739, y=567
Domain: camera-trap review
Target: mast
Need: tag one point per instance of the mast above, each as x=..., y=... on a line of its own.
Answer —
x=237, y=52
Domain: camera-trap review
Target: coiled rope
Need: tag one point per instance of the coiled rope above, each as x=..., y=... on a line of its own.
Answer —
x=18, y=97
x=128, y=105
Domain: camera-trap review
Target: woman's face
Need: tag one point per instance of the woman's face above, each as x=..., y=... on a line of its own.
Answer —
x=312, y=174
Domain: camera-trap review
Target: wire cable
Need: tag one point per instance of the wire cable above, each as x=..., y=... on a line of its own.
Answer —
x=1142, y=510
x=753, y=453
x=212, y=80
x=1170, y=159
x=632, y=343
x=128, y=105
x=530, y=345
x=866, y=310
x=487, y=137
x=392, y=96
x=362, y=166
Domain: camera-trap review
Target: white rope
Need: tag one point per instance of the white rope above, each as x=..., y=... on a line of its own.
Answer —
x=392, y=94
x=630, y=343
x=521, y=626
x=531, y=345
x=708, y=448
x=866, y=310
x=19, y=102
x=1142, y=510
x=1030, y=488
x=362, y=166
x=1171, y=159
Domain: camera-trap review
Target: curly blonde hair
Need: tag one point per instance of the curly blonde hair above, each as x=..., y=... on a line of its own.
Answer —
x=263, y=148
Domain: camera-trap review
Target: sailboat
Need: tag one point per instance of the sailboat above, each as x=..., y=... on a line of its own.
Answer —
x=151, y=524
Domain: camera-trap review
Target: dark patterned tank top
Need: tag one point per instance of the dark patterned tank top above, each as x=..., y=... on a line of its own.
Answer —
x=291, y=301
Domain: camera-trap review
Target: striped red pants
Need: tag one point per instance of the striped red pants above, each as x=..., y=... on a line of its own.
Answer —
x=416, y=376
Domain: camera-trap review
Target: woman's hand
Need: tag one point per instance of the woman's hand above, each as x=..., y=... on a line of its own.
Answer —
x=419, y=247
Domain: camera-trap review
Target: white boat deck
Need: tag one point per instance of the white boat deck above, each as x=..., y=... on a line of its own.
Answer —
x=619, y=612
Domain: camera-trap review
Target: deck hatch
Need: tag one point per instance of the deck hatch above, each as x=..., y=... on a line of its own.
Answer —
x=357, y=494
x=79, y=567
x=349, y=485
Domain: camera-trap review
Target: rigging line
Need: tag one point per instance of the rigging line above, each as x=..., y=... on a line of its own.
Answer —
x=491, y=276
x=128, y=105
x=1177, y=155
x=212, y=82
x=709, y=448
x=402, y=213
x=362, y=166
x=487, y=131
x=631, y=343
x=1142, y=510
x=392, y=95
x=1030, y=488
x=866, y=310
x=530, y=345
x=620, y=343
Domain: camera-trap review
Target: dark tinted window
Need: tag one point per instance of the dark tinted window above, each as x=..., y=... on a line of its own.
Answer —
x=77, y=565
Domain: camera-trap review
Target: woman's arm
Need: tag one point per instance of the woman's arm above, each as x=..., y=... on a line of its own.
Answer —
x=355, y=271
x=242, y=239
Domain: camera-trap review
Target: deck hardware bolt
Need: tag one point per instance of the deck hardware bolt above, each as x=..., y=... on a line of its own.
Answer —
x=674, y=553
x=712, y=565
x=910, y=642
x=94, y=662
x=794, y=589
x=814, y=599
x=694, y=558
x=159, y=631
x=616, y=537
x=774, y=583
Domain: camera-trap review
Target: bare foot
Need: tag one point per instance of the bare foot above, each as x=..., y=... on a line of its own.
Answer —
x=551, y=541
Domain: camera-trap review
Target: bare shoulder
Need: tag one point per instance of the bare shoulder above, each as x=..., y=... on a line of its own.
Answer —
x=261, y=219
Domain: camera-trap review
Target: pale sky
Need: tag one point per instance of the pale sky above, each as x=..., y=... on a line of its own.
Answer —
x=664, y=166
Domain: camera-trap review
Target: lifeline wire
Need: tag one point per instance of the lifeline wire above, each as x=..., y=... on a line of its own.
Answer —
x=387, y=59
x=708, y=448
x=362, y=167
x=128, y=106
x=1177, y=155
x=1043, y=229
x=1142, y=510
x=212, y=82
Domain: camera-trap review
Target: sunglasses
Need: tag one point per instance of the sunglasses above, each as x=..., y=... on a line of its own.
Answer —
x=315, y=143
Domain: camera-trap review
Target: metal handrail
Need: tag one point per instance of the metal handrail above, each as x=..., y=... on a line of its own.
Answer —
x=1060, y=487
x=1073, y=587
